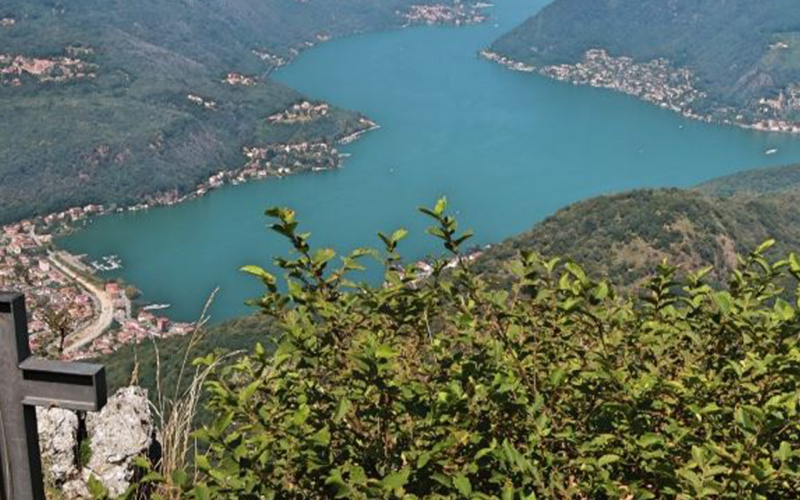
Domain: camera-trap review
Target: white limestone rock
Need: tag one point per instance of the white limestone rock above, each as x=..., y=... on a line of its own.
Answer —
x=58, y=441
x=123, y=430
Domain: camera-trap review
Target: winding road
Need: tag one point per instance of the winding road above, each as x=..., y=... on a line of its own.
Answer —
x=103, y=321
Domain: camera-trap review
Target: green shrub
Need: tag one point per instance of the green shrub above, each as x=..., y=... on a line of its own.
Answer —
x=557, y=388
x=84, y=453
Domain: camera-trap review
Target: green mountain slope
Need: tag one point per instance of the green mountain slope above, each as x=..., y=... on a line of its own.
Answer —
x=738, y=51
x=100, y=111
x=761, y=181
x=621, y=236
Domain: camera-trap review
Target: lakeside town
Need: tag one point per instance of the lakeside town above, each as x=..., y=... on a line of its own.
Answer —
x=458, y=13
x=659, y=82
x=65, y=296
x=62, y=294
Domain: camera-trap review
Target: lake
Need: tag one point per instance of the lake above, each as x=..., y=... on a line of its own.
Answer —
x=506, y=148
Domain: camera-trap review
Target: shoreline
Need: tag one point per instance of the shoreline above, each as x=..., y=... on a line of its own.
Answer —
x=30, y=241
x=108, y=320
x=685, y=95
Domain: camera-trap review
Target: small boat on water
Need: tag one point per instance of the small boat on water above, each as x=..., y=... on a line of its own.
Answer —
x=770, y=151
x=156, y=307
x=107, y=263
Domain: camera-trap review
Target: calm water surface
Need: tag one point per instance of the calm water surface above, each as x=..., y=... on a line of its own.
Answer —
x=506, y=148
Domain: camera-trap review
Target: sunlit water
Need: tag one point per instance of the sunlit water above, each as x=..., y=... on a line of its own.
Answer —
x=506, y=148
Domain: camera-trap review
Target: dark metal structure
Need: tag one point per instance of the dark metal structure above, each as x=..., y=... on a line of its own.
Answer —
x=27, y=382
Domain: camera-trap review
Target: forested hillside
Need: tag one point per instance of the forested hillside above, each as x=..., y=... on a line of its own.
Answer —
x=620, y=236
x=108, y=102
x=744, y=56
x=760, y=181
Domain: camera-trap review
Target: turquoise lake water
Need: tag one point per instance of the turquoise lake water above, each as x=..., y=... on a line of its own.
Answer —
x=506, y=148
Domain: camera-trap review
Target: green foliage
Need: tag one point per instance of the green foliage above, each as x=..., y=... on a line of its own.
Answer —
x=621, y=236
x=554, y=388
x=755, y=182
x=84, y=453
x=229, y=336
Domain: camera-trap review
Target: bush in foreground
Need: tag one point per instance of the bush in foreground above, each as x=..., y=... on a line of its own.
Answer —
x=444, y=388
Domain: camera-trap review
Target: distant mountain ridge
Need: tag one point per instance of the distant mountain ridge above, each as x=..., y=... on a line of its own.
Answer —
x=743, y=57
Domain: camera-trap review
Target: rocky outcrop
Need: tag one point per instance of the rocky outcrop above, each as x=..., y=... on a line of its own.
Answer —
x=123, y=430
x=58, y=440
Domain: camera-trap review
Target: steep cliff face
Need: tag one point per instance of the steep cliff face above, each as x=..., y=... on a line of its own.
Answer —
x=104, y=448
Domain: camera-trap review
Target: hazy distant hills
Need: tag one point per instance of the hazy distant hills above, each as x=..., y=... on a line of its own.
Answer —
x=623, y=236
x=99, y=112
x=739, y=51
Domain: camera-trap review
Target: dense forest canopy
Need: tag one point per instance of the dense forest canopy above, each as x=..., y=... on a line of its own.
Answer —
x=620, y=236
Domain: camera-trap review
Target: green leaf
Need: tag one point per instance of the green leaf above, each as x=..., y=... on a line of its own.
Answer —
x=396, y=480
x=440, y=206
x=259, y=273
x=601, y=291
x=650, y=439
x=342, y=407
x=323, y=255
x=794, y=263
x=180, y=478
x=322, y=437
x=462, y=484
x=423, y=460
x=399, y=235
x=748, y=417
x=784, y=310
x=784, y=451
x=608, y=459
x=577, y=271
x=724, y=302
x=557, y=376
x=301, y=415
x=249, y=391
x=335, y=480
x=201, y=492
x=385, y=352
x=762, y=248
x=96, y=488
x=142, y=462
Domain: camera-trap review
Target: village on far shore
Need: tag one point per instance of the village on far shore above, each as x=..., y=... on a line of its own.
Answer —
x=659, y=82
